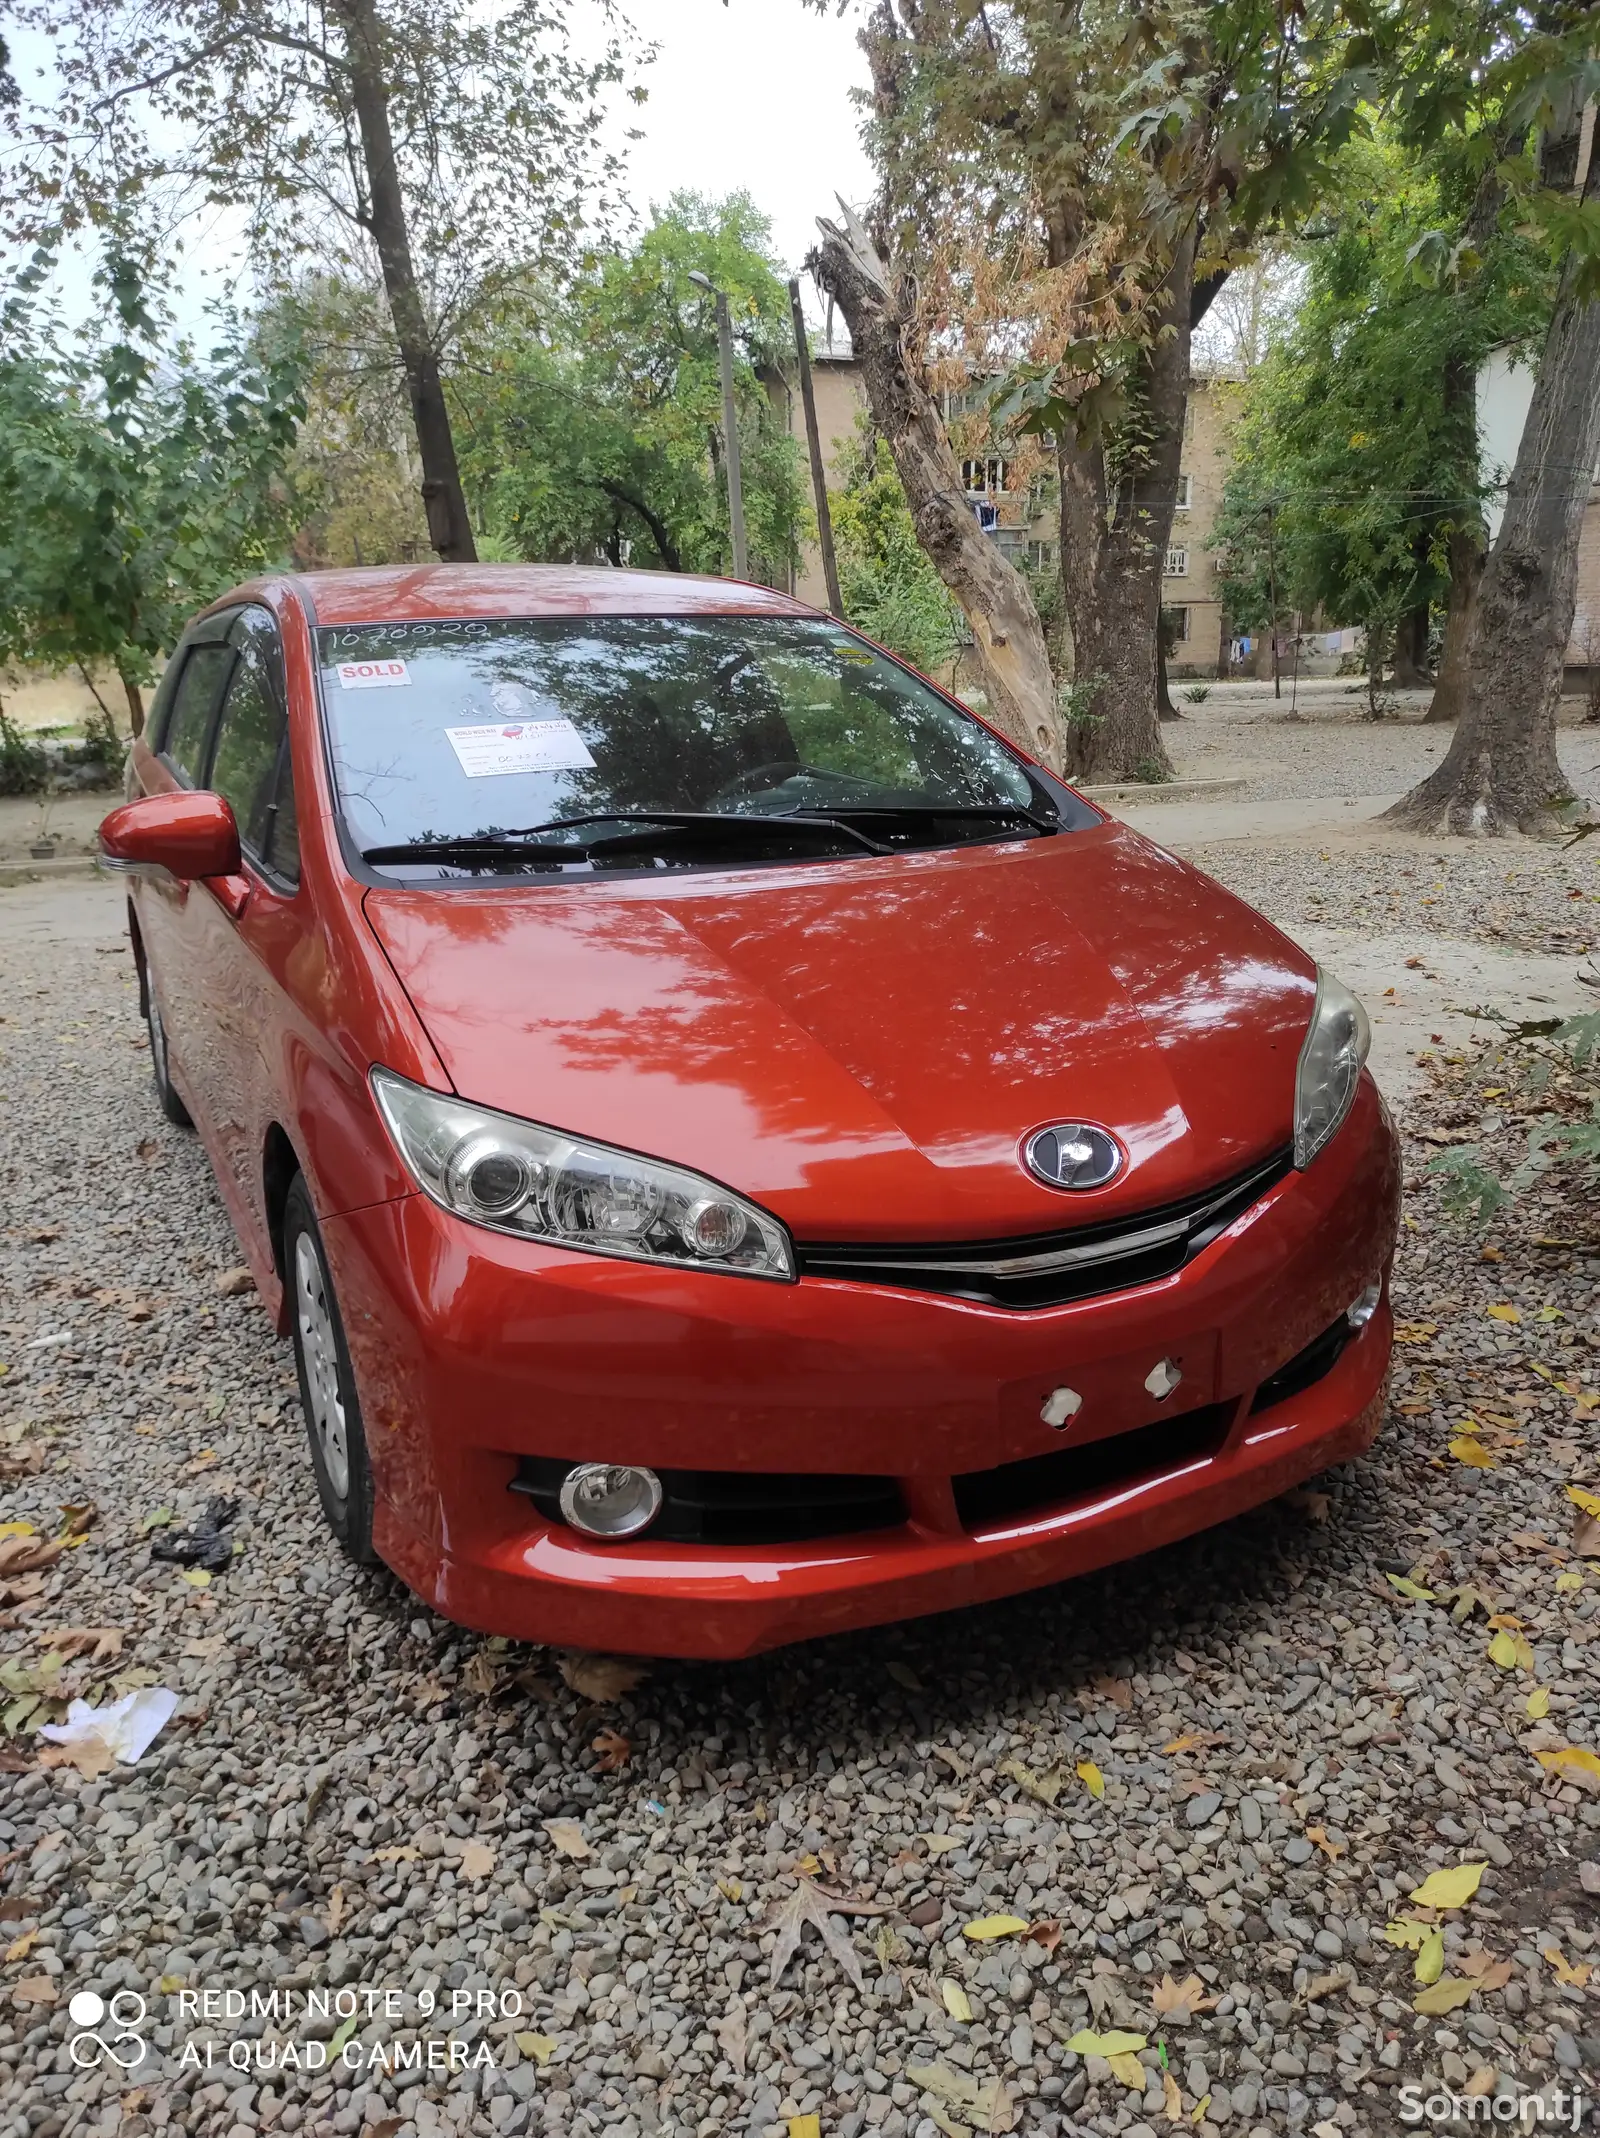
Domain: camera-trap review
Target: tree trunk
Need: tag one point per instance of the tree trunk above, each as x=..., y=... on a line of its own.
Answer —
x=449, y=527
x=1501, y=773
x=1115, y=522
x=1165, y=709
x=1411, y=670
x=1377, y=646
x=130, y=690
x=1466, y=570
x=1008, y=640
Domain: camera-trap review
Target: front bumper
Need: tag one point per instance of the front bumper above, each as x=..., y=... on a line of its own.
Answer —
x=472, y=1350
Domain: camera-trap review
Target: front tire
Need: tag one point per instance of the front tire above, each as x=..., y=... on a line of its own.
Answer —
x=327, y=1384
x=160, y=1065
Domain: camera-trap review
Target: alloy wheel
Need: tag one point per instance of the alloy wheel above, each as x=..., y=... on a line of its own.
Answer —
x=319, y=1349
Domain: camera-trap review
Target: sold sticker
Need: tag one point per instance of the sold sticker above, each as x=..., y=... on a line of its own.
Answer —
x=371, y=675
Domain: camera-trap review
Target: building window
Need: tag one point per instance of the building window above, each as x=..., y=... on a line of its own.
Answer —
x=981, y=478
x=1177, y=564
x=1185, y=493
x=1176, y=622
x=1041, y=555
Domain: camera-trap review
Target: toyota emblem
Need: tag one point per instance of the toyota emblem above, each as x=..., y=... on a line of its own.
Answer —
x=1073, y=1154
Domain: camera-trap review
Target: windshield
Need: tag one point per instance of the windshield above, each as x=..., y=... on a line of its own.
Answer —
x=448, y=732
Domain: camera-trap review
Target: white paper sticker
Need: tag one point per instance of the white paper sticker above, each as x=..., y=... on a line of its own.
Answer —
x=519, y=746
x=372, y=675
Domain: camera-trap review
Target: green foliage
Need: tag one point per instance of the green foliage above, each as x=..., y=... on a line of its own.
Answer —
x=594, y=422
x=1357, y=453
x=887, y=584
x=134, y=485
x=1475, y=1194
x=24, y=767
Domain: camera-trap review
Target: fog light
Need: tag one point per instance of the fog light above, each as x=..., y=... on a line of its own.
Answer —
x=1360, y=1311
x=710, y=1227
x=610, y=1499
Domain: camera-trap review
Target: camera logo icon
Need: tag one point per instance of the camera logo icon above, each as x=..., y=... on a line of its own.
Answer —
x=107, y=2029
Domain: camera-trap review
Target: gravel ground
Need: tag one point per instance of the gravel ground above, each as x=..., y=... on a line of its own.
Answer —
x=1333, y=749
x=1523, y=896
x=354, y=1795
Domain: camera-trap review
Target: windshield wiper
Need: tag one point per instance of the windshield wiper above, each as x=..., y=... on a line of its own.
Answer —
x=1018, y=812
x=493, y=849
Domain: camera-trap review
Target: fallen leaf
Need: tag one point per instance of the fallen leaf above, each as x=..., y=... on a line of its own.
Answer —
x=1430, y=1958
x=196, y=1576
x=904, y=1675
x=732, y=2031
x=1585, y=1501
x=1414, y=1332
x=1537, y=1705
x=335, y=1910
x=1574, y=1977
x=1087, y=2043
x=601, y=1678
x=101, y=1644
x=1044, y=1788
x=1488, y=1972
x=1570, y=1582
x=1412, y=1589
x=1586, y=1537
x=1127, y=2070
x=1503, y=1651
x=1504, y=1313
x=566, y=1836
x=1171, y=2098
x=396, y=1855
x=808, y=1903
x=1472, y=1452
x=28, y=1555
x=91, y=1756
x=231, y=1283
x=1117, y=1690
x=956, y=2001
x=612, y=1751
x=807, y=2126
x=19, y=1948
x=1181, y=2000
x=1446, y=1995
x=541, y=2047
x=1316, y=1506
x=1091, y=1777
x=1572, y=1764
x=1451, y=1888
x=1481, y=2083
x=939, y=1844
x=1333, y=1850
x=35, y=1989
x=731, y=1889
x=987, y=1927
x=1197, y=2114
x=1048, y=1932
x=477, y=1860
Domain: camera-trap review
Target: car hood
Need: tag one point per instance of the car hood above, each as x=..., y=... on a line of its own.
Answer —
x=863, y=1046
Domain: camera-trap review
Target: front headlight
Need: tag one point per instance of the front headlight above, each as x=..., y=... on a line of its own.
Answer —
x=540, y=1185
x=1330, y=1063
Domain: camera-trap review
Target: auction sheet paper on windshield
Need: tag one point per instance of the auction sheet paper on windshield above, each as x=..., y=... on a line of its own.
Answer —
x=519, y=746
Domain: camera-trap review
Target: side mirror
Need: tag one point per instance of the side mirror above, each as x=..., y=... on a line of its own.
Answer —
x=189, y=834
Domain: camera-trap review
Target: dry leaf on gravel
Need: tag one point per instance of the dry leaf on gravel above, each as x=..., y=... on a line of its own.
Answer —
x=1430, y=1957
x=1315, y=1506
x=1537, y=1705
x=731, y=2031
x=566, y=1836
x=612, y=1751
x=984, y=1929
x=1171, y=2098
x=808, y=1903
x=35, y=1989
x=101, y=1644
x=601, y=1678
x=477, y=1860
x=27, y=1555
x=1446, y=1995
x=1573, y=1975
x=1044, y=1788
x=1091, y=1777
x=956, y=2001
x=1117, y=1690
x=231, y=1283
x=1451, y=1888
x=1571, y=1763
x=1115, y=2043
x=1318, y=1837
x=1181, y=2000
x=1046, y=1933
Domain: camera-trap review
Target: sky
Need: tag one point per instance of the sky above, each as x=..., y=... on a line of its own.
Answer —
x=751, y=94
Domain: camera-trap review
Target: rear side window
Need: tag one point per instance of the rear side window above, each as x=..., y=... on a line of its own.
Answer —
x=189, y=722
x=244, y=766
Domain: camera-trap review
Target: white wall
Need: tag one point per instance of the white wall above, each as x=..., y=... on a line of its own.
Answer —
x=1505, y=391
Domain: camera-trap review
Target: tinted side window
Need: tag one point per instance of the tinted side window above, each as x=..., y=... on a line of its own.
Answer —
x=244, y=765
x=189, y=722
x=282, y=849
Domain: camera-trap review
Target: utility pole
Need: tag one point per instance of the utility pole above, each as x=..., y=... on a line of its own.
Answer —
x=819, y=486
x=1272, y=596
x=730, y=424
